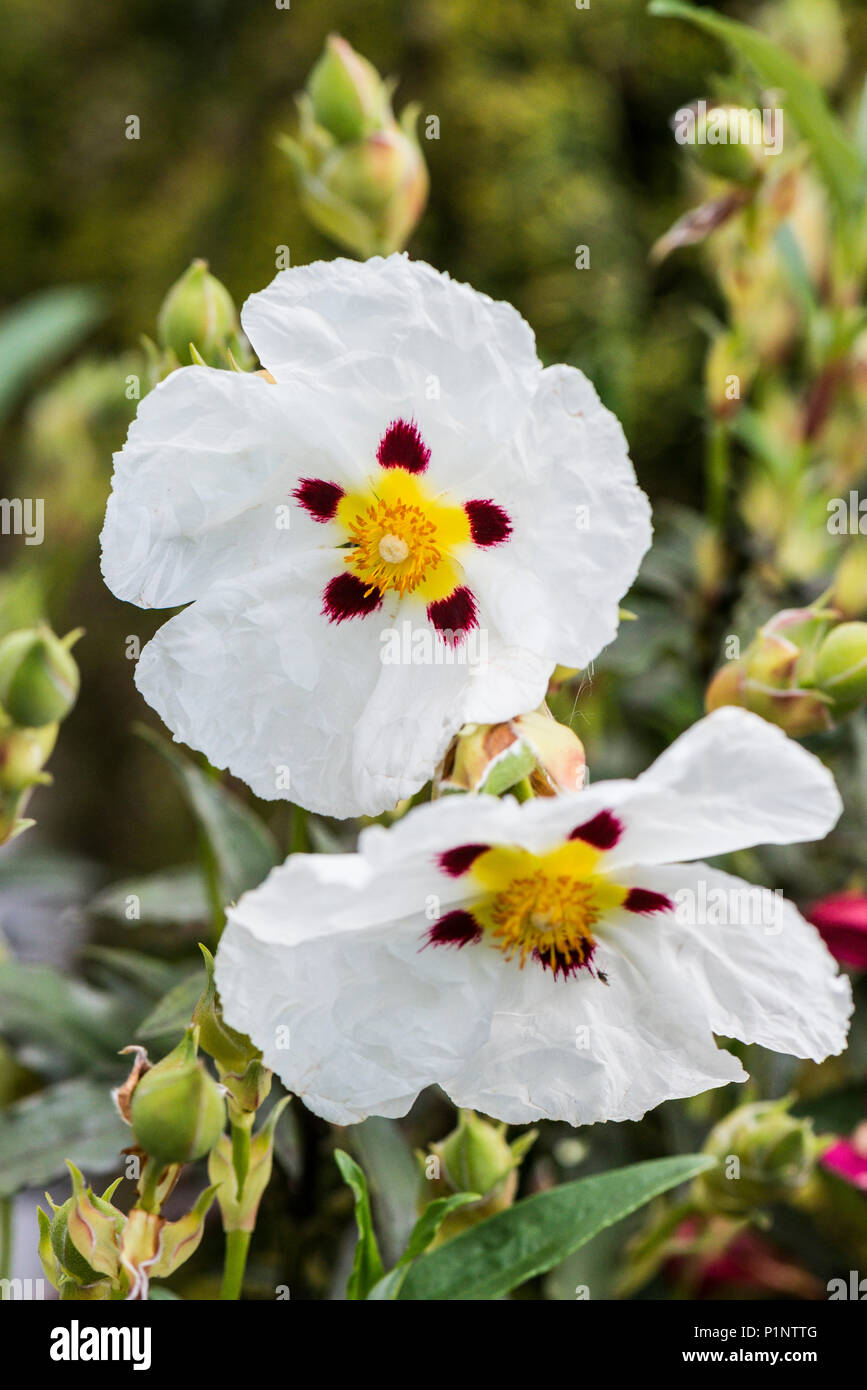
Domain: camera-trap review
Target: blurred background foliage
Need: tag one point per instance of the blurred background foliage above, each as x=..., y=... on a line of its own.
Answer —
x=553, y=134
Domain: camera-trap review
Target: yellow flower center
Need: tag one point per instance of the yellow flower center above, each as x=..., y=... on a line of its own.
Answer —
x=551, y=916
x=546, y=904
x=400, y=536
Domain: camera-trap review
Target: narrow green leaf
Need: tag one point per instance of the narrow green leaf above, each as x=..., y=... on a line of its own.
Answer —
x=42, y=1007
x=74, y=1119
x=174, y=897
x=38, y=331
x=804, y=100
x=367, y=1267
x=244, y=850
x=490, y=1259
x=392, y=1177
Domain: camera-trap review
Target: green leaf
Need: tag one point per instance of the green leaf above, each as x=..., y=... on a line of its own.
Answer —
x=81, y=1025
x=490, y=1259
x=244, y=850
x=172, y=1014
x=38, y=331
x=367, y=1267
x=173, y=897
x=510, y=769
x=73, y=1119
x=150, y=978
x=392, y=1176
x=836, y=159
x=423, y=1233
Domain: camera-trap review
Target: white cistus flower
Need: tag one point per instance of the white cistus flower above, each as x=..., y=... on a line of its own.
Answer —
x=546, y=960
x=402, y=532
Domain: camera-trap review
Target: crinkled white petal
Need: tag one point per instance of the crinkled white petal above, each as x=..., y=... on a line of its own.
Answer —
x=404, y=331
x=209, y=459
x=256, y=677
x=582, y=526
x=731, y=781
x=760, y=972
x=582, y=1051
x=355, y=1018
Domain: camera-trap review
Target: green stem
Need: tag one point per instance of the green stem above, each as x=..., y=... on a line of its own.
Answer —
x=241, y=1152
x=299, y=844
x=5, y=1240
x=718, y=471
x=237, y=1245
x=522, y=791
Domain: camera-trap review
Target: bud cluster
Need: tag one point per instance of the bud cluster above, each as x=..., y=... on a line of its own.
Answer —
x=804, y=670
x=475, y=1157
x=359, y=170
x=38, y=688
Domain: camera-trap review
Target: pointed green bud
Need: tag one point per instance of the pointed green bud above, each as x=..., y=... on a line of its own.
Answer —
x=177, y=1109
x=232, y=1051
x=198, y=320
x=94, y=1226
x=475, y=1157
x=841, y=667
x=729, y=143
x=38, y=677
x=764, y=1155
x=347, y=94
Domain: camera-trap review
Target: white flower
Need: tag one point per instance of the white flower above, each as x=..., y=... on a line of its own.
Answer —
x=412, y=468
x=546, y=959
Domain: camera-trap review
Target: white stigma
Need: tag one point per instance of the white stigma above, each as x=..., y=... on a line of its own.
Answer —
x=393, y=549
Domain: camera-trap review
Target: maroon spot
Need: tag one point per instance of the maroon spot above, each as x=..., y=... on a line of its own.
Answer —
x=489, y=524
x=318, y=497
x=403, y=447
x=454, y=616
x=645, y=900
x=457, y=928
x=456, y=861
x=347, y=597
x=602, y=832
x=566, y=963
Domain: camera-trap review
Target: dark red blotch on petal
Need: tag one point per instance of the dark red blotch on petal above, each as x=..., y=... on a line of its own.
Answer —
x=646, y=900
x=567, y=964
x=457, y=928
x=489, y=523
x=318, y=497
x=454, y=616
x=456, y=861
x=347, y=597
x=602, y=832
x=403, y=447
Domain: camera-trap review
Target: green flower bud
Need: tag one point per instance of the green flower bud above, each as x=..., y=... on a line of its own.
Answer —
x=764, y=1155
x=475, y=1157
x=38, y=676
x=360, y=172
x=198, y=310
x=850, y=584
x=23, y=754
x=348, y=96
x=728, y=144
x=177, y=1109
x=841, y=667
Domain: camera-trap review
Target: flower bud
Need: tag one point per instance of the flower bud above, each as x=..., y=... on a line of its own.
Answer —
x=475, y=1157
x=775, y=677
x=494, y=757
x=23, y=753
x=38, y=676
x=78, y=1244
x=764, y=1155
x=850, y=584
x=841, y=667
x=360, y=172
x=727, y=143
x=198, y=310
x=349, y=98
x=177, y=1109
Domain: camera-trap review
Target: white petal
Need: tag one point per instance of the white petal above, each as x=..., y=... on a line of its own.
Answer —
x=581, y=526
x=255, y=676
x=760, y=972
x=209, y=458
x=731, y=781
x=368, y=1017
x=403, y=330
x=583, y=1052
